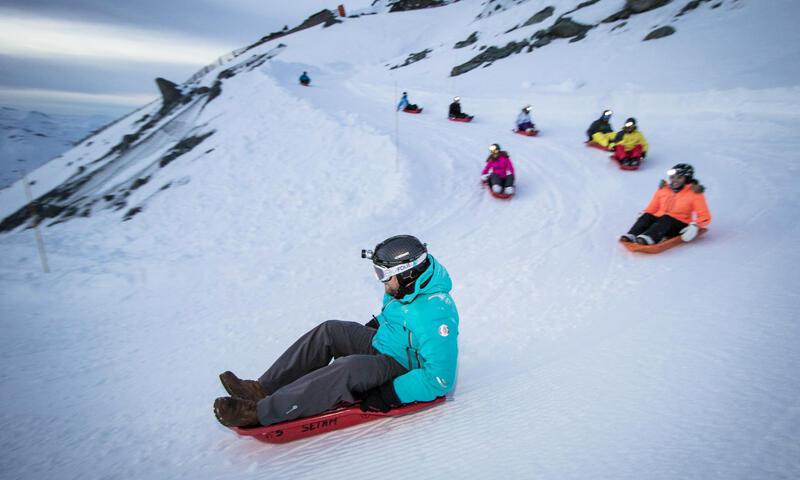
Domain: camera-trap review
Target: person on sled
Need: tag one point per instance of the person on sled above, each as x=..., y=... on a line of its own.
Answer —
x=405, y=104
x=498, y=171
x=407, y=353
x=455, y=109
x=677, y=208
x=524, y=122
x=629, y=145
x=600, y=131
x=305, y=79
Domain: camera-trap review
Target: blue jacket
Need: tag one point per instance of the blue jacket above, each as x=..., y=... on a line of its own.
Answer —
x=403, y=102
x=420, y=331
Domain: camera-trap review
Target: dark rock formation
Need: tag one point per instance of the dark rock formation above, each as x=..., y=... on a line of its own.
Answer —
x=640, y=6
x=414, y=57
x=691, y=6
x=539, y=16
x=488, y=56
x=325, y=17
x=406, y=5
x=182, y=147
x=660, y=32
x=633, y=7
x=469, y=41
x=170, y=93
x=564, y=27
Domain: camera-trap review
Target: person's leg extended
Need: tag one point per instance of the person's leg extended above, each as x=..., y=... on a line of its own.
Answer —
x=329, y=340
x=324, y=388
x=664, y=227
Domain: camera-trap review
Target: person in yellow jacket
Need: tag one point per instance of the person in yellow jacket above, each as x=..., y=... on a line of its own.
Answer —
x=629, y=146
x=677, y=208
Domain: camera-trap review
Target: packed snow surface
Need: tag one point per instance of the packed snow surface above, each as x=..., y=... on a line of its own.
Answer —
x=578, y=359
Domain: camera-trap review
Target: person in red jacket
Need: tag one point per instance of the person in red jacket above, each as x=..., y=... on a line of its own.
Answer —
x=677, y=208
x=498, y=171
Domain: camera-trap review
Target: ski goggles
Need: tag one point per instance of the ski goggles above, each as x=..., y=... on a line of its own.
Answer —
x=386, y=273
x=493, y=148
x=629, y=124
x=607, y=113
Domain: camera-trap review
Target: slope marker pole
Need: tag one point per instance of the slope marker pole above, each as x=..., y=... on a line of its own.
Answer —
x=35, y=217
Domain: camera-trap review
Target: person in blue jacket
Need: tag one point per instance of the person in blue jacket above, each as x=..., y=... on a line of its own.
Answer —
x=406, y=353
x=405, y=104
x=305, y=79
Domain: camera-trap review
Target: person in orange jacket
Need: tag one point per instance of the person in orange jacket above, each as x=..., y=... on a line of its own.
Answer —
x=677, y=208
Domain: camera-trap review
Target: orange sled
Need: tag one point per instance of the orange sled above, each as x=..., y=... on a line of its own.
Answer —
x=658, y=247
x=326, y=422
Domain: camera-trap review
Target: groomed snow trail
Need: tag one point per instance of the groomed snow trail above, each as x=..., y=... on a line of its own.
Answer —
x=577, y=359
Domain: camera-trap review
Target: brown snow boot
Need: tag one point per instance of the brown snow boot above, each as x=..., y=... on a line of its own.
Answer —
x=245, y=389
x=236, y=412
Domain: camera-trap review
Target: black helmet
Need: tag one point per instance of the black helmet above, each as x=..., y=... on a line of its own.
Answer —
x=630, y=122
x=607, y=113
x=402, y=255
x=495, y=147
x=682, y=170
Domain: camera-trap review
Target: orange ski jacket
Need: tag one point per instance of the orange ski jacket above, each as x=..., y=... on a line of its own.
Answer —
x=681, y=205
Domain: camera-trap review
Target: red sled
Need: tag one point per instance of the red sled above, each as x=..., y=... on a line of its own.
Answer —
x=623, y=166
x=412, y=111
x=660, y=246
x=527, y=133
x=457, y=119
x=592, y=144
x=501, y=196
x=327, y=422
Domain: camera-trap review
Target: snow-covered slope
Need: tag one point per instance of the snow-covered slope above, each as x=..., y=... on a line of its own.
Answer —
x=249, y=201
x=30, y=139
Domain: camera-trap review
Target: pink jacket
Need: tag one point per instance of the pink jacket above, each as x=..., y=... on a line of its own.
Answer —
x=501, y=165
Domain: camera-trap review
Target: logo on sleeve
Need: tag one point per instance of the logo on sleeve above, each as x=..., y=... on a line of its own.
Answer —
x=443, y=330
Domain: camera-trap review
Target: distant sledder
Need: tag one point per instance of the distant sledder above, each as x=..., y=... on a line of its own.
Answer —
x=524, y=123
x=677, y=213
x=498, y=173
x=600, y=132
x=305, y=80
x=629, y=145
x=407, y=106
x=455, y=114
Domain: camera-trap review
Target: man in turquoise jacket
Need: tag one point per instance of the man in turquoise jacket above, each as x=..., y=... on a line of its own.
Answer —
x=407, y=353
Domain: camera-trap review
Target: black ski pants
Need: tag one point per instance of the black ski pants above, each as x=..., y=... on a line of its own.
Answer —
x=657, y=228
x=507, y=181
x=304, y=381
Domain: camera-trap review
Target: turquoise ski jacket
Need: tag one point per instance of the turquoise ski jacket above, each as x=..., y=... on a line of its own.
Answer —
x=420, y=331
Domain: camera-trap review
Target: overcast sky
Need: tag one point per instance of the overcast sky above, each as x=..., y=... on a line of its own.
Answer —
x=102, y=56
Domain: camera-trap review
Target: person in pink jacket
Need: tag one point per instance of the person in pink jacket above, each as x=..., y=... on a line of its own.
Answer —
x=499, y=171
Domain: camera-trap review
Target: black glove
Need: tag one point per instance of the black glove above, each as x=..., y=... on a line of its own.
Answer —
x=380, y=399
x=373, y=323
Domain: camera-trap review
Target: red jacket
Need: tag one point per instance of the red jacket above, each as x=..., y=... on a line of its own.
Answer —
x=681, y=205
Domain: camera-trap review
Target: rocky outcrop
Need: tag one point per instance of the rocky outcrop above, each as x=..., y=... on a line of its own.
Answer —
x=690, y=6
x=406, y=5
x=170, y=94
x=488, y=56
x=633, y=7
x=469, y=41
x=564, y=27
x=414, y=57
x=324, y=17
x=539, y=16
x=660, y=32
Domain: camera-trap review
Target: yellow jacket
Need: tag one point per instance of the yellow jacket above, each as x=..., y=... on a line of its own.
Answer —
x=630, y=140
